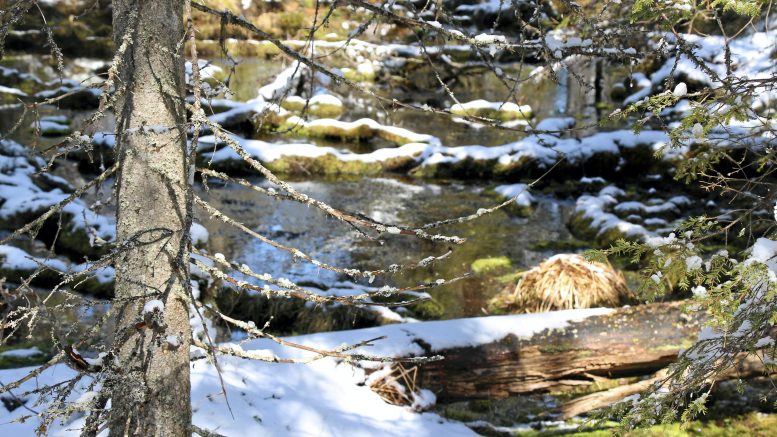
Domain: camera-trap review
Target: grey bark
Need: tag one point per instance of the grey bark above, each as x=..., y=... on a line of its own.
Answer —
x=150, y=386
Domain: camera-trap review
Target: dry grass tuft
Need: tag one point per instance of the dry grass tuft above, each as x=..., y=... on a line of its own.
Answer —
x=565, y=282
x=395, y=384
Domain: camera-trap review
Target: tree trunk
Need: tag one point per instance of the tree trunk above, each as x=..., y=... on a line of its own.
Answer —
x=150, y=387
x=628, y=342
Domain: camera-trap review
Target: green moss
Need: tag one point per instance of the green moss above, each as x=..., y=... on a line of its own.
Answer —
x=491, y=265
x=516, y=210
x=358, y=76
x=595, y=386
x=462, y=415
x=428, y=310
x=355, y=132
x=87, y=36
x=323, y=165
x=465, y=168
x=510, y=277
x=393, y=137
x=482, y=405
x=493, y=114
x=325, y=110
x=751, y=425
x=15, y=362
x=327, y=165
x=291, y=22
x=9, y=99
x=19, y=80
x=329, y=36
x=318, y=110
x=502, y=303
x=580, y=226
x=425, y=171
x=557, y=348
x=293, y=105
x=553, y=431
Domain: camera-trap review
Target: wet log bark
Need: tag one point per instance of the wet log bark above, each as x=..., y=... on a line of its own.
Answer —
x=628, y=342
x=748, y=367
x=602, y=399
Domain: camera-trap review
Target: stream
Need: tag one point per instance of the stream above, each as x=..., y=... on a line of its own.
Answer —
x=391, y=198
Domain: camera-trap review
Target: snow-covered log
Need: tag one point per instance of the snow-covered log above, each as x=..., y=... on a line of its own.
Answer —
x=629, y=341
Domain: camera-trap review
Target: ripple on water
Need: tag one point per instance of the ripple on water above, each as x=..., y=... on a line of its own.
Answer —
x=389, y=200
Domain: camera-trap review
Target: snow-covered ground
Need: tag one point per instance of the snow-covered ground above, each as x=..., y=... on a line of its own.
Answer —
x=324, y=398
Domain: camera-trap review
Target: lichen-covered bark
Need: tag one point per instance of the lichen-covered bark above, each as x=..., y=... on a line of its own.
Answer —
x=150, y=388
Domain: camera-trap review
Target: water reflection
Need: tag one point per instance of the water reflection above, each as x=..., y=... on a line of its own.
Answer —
x=389, y=200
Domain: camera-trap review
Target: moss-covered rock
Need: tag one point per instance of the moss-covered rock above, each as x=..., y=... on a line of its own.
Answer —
x=319, y=106
x=499, y=412
x=470, y=168
x=16, y=275
x=294, y=316
x=323, y=165
x=427, y=310
x=355, y=131
x=52, y=276
x=581, y=227
x=51, y=126
x=59, y=231
x=494, y=265
x=27, y=83
x=517, y=210
x=76, y=33
x=365, y=73
x=506, y=111
x=10, y=96
x=75, y=98
x=523, y=202
x=22, y=355
x=327, y=164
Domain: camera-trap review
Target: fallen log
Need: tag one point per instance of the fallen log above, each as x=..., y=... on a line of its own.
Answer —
x=602, y=399
x=631, y=341
x=748, y=367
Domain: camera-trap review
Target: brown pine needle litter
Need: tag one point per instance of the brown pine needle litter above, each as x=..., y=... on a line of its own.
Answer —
x=396, y=386
x=567, y=281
